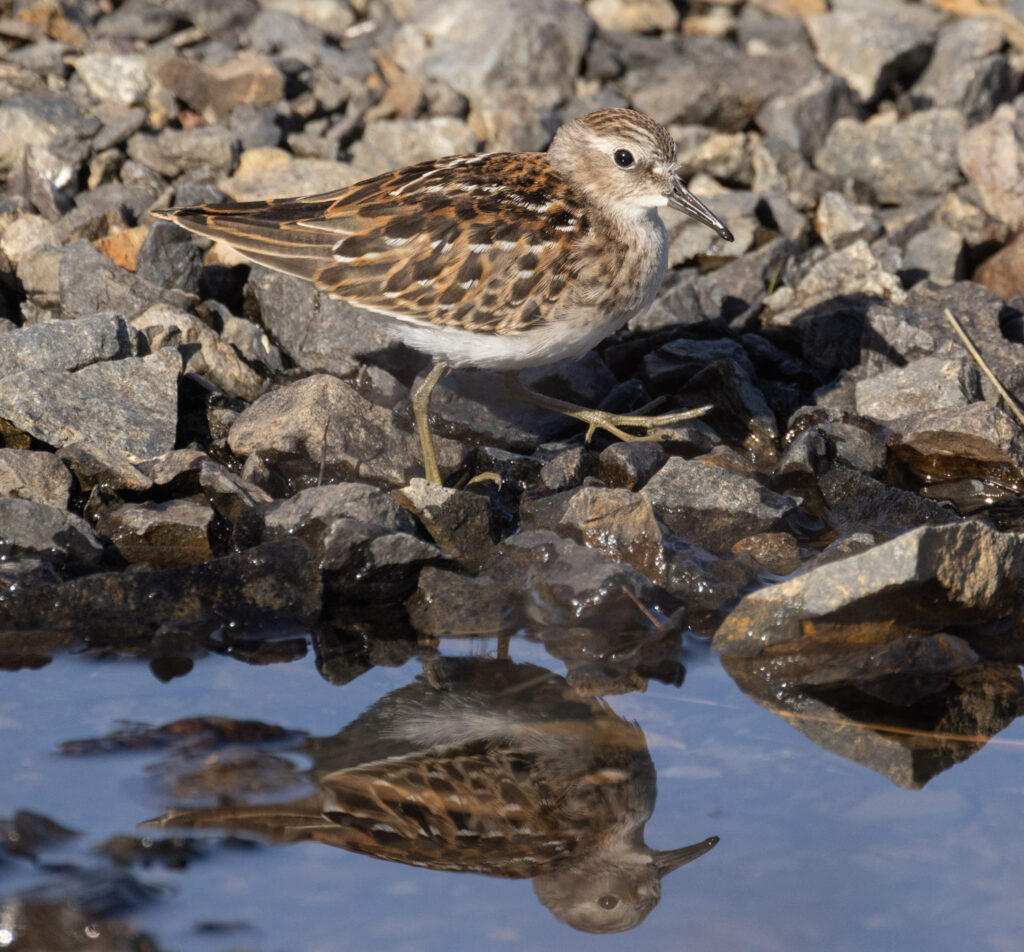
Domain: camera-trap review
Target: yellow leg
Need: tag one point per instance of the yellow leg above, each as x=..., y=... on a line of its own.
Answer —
x=600, y=420
x=420, y=409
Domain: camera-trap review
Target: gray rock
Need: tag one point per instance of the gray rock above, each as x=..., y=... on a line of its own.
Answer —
x=801, y=118
x=176, y=532
x=838, y=222
x=117, y=77
x=689, y=238
x=937, y=253
x=392, y=143
x=90, y=282
x=39, y=119
x=321, y=334
x=933, y=382
x=858, y=503
x=967, y=70
x=310, y=512
x=992, y=158
x=209, y=150
x=459, y=521
x=713, y=84
x=36, y=530
x=366, y=563
x=49, y=176
x=169, y=258
x=975, y=569
x=263, y=588
x=478, y=46
x=629, y=465
x=711, y=506
x=321, y=419
x=203, y=350
x=105, y=466
x=67, y=345
x=874, y=44
x=829, y=437
x=898, y=161
x=128, y=404
x=38, y=477
x=979, y=440
x=214, y=91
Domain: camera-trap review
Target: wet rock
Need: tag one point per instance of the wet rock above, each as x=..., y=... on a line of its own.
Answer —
x=91, y=283
x=128, y=404
x=875, y=44
x=976, y=441
x=117, y=77
x=776, y=552
x=936, y=253
x=566, y=585
x=67, y=345
x=310, y=512
x=565, y=470
x=897, y=160
x=839, y=222
x=36, y=530
x=803, y=116
x=207, y=150
x=100, y=465
x=479, y=46
x=965, y=571
x=366, y=563
x=818, y=438
x=204, y=351
x=271, y=585
x=617, y=523
x=322, y=421
x=237, y=501
x=35, y=476
x=169, y=258
x=39, y=119
x=712, y=506
x=459, y=521
x=176, y=532
x=629, y=465
x=992, y=156
x=933, y=382
x=214, y=90
x=858, y=503
x=713, y=84
x=967, y=70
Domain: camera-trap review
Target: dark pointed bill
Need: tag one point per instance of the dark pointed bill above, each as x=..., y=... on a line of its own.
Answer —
x=667, y=860
x=683, y=200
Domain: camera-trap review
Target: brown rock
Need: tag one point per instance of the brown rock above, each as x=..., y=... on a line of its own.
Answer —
x=1003, y=273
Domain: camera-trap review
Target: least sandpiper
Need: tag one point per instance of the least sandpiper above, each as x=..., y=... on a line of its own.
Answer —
x=498, y=260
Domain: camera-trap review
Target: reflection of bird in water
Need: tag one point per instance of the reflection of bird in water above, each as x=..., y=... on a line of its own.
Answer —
x=491, y=767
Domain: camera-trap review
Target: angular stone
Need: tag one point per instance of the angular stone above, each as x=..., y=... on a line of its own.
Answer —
x=67, y=345
x=266, y=172
x=992, y=158
x=459, y=521
x=629, y=465
x=897, y=160
x=117, y=77
x=1003, y=273
x=934, y=382
x=838, y=222
x=176, y=532
x=711, y=506
x=169, y=258
x=37, y=119
x=393, y=143
x=978, y=441
x=39, y=477
x=966, y=571
x=320, y=420
x=205, y=353
x=936, y=253
x=310, y=512
x=129, y=404
x=171, y=152
x=637, y=16
x=874, y=43
x=801, y=118
x=215, y=90
x=101, y=465
x=35, y=530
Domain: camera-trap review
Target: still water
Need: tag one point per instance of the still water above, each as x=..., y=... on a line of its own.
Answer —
x=813, y=851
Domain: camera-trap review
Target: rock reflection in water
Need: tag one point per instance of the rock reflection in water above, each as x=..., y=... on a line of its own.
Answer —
x=491, y=767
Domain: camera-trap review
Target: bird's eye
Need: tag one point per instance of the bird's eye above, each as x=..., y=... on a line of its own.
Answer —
x=623, y=158
x=609, y=902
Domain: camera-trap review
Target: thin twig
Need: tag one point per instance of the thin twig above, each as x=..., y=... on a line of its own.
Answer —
x=973, y=351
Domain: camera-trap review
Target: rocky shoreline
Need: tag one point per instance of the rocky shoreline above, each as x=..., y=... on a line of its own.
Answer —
x=199, y=455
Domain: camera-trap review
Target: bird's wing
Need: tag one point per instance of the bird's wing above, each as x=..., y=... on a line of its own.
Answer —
x=477, y=242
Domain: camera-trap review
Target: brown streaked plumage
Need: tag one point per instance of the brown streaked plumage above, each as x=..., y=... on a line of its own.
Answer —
x=499, y=261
